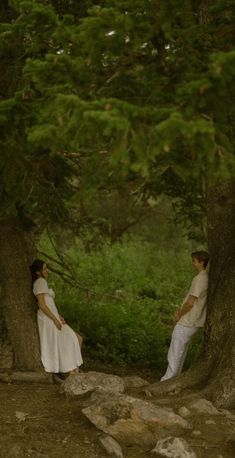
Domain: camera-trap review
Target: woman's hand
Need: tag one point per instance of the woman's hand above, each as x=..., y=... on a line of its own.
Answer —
x=57, y=324
x=62, y=320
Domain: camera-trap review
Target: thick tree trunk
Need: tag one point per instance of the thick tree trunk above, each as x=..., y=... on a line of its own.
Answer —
x=18, y=314
x=220, y=330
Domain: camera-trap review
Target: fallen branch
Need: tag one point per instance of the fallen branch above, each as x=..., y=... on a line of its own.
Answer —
x=31, y=377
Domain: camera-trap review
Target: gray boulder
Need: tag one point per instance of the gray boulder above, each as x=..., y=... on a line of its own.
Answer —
x=86, y=382
x=132, y=421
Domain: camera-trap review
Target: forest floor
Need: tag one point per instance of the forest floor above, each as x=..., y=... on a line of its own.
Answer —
x=37, y=420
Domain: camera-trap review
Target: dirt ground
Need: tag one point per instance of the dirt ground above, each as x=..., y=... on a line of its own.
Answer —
x=36, y=420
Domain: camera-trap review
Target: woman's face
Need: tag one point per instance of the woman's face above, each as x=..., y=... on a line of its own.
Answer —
x=44, y=271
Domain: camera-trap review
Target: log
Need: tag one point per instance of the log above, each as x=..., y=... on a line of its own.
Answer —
x=28, y=377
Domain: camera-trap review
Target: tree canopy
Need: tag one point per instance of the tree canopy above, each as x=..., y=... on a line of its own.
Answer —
x=100, y=94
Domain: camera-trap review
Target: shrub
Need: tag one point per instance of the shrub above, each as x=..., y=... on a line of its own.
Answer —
x=135, y=289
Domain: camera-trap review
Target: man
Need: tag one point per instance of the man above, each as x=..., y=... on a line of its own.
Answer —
x=189, y=317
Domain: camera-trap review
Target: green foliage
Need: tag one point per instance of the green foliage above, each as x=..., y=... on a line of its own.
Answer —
x=127, y=297
x=148, y=83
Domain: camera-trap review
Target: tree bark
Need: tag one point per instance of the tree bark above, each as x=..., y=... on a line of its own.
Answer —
x=220, y=335
x=18, y=305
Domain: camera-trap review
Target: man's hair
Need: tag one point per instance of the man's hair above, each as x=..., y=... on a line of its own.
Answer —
x=201, y=256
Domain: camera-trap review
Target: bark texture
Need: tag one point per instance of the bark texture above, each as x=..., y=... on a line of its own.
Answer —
x=220, y=334
x=18, y=307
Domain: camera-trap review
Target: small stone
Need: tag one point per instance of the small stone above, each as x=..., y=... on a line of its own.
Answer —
x=111, y=446
x=21, y=416
x=203, y=407
x=174, y=447
x=210, y=422
x=196, y=433
x=184, y=412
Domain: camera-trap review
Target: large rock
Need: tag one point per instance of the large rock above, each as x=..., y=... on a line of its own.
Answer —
x=130, y=420
x=174, y=447
x=86, y=382
x=203, y=407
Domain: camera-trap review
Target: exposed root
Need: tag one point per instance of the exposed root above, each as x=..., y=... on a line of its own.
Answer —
x=196, y=376
x=219, y=387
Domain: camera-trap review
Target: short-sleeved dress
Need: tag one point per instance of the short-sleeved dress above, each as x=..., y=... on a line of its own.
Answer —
x=60, y=349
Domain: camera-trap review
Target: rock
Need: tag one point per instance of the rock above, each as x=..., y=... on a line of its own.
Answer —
x=130, y=420
x=203, y=407
x=196, y=433
x=111, y=446
x=174, y=447
x=86, y=382
x=210, y=422
x=184, y=412
x=21, y=416
x=134, y=382
x=227, y=413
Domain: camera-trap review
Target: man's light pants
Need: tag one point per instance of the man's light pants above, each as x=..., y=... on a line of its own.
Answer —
x=180, y=341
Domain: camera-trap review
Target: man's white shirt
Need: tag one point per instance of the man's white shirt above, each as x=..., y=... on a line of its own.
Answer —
x=197, y=315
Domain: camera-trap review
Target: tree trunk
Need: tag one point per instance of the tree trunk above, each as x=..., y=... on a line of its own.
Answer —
x=18, y=314
x=220, y=335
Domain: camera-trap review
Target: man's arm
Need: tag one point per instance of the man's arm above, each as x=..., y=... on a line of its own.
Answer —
x=186, y=307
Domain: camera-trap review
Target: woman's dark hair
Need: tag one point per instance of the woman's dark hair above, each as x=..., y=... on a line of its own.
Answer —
x=36, y=267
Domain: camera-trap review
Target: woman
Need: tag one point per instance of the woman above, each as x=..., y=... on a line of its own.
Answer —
x=60, y=345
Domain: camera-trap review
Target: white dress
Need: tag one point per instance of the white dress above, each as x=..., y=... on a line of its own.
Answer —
x=60, y=349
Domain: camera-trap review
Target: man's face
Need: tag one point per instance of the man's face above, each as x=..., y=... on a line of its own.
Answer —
x=198, y=265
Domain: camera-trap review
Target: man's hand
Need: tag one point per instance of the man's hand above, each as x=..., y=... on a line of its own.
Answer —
x=186, y=307
x=176, y=316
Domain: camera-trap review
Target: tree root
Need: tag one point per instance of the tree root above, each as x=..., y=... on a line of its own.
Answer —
x=196, y=376
x=218, y=387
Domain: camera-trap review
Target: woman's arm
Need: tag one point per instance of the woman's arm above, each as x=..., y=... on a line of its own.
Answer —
x=45, y=309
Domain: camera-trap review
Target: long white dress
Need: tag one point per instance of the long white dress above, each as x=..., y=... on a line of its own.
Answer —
x=60, y=349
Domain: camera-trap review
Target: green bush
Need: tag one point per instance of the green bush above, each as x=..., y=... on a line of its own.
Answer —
x=133, y=290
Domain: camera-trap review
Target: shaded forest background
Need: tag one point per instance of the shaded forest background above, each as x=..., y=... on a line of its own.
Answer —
x=121, y=295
